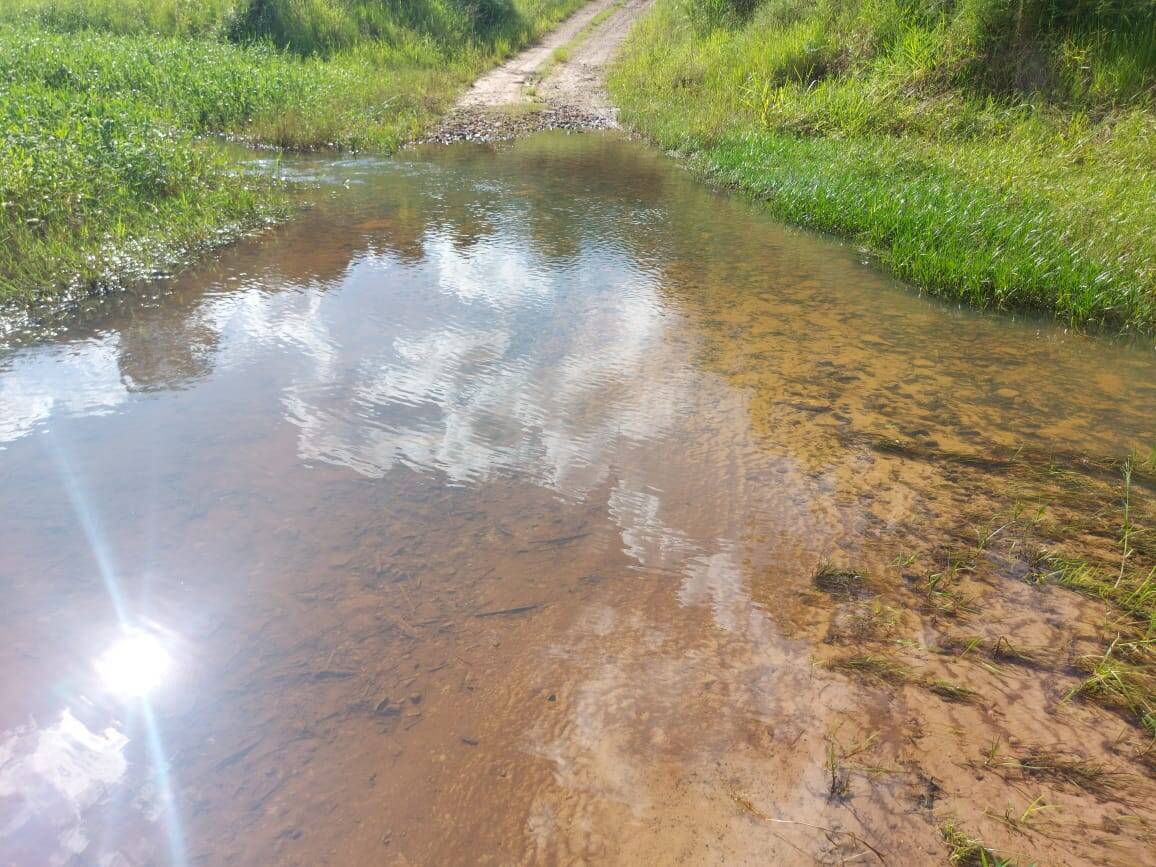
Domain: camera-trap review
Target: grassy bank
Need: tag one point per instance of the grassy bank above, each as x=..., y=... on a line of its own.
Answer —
x=998, y=152
x=108, y=109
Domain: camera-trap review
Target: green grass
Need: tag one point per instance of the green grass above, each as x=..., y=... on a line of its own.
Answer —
x=968, y=851
x=952, y=691
x=874, y=666
x=96, y=191
x=109, y=110
x=1075, y=770
x=1124, y=676
x=837, y=582
x=1005, y=158
x=173, y=17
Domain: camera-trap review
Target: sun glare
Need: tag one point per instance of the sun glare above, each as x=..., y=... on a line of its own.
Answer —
x=134, y=666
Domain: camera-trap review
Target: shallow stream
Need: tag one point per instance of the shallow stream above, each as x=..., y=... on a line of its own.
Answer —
x=471, y=518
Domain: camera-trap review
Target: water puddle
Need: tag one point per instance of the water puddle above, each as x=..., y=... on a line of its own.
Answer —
x=475, y=515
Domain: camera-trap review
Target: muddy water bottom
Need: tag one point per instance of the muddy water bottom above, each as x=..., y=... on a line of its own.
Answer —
x=474, y=516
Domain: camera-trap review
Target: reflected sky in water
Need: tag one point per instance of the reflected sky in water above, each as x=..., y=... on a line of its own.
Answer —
x=51, y=775
x=294, y=460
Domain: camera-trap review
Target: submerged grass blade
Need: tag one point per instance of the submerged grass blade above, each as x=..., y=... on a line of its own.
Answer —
x=874, y=666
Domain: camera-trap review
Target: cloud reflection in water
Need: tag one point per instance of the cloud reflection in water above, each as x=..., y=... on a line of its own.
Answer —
x=48, y=778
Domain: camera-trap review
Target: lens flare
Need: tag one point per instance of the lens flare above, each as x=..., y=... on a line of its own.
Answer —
x=134, y=666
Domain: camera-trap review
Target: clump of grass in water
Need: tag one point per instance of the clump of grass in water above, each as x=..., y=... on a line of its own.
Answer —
x=1005, y=651
x=874, y=666
x=1002, y=650
x=1123, y=678
x=1027, y=820
x=878, y=621
x=1131, y=592
x=942, y=596
x=1078, y=771
x=845, y=583
x=953, y=692
x=969, y=851
x=837, y=767
x=838, y=777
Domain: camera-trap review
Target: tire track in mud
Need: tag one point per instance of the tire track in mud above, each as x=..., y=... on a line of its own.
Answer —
x=558, y=83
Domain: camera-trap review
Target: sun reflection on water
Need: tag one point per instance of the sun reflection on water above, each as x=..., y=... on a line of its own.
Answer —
x=134, y=666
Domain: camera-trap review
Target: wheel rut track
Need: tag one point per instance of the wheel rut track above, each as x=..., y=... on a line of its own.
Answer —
x=537, y=89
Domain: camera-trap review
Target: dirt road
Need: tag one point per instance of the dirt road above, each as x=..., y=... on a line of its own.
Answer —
x=557, y=84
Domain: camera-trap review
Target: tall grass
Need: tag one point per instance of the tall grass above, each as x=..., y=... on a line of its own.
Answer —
x=169, y=17
x=106, y=107
x=326, y=27
x=306, y=26
x=254, y=91
x=1002, y=153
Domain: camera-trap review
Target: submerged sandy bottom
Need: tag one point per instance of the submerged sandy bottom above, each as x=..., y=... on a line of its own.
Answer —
x=474, y=517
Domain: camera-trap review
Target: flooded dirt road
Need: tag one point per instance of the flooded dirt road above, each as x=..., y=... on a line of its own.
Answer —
x=474, y=517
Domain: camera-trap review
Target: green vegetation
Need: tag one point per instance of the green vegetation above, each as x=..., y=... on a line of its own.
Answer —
x=966, y=850
x=1124, y=675
x=875, y=621
x=838, y=582
x=1074, y=770
x=838, y=778
x=874, y=666
x=945, y=689
x=1080, y=523
x=1123, y=678
x=1003, y=650
x=1002, y=153
x=108, y=109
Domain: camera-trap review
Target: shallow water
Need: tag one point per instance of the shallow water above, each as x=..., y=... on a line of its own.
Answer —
x=469, y=518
